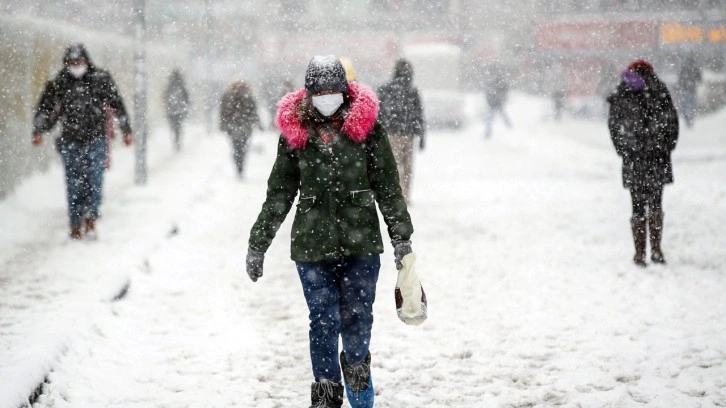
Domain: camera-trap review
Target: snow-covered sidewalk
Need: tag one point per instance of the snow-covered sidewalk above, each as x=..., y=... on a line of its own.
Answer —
x=523, y=242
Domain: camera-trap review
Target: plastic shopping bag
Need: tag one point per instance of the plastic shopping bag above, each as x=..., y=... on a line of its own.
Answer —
x=411, y=301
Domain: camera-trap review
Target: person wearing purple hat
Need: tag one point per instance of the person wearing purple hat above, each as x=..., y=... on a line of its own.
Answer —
x=643, y=125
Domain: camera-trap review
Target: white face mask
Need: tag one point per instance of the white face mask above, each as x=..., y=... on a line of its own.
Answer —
x=328, y=104
x=78, y=70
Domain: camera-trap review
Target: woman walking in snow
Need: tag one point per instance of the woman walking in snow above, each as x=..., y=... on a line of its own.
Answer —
x=643, y=126
x=333, y=150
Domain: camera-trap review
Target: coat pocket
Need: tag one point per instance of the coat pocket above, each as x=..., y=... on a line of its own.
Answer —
x=363, y=198
x=305, y=204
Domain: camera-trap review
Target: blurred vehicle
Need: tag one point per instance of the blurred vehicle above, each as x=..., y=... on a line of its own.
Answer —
x=436, y=73
x=443, y=108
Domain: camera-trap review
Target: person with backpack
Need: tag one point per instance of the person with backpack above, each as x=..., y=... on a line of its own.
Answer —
x=688, y=79
x=497, y=89
x=335, y=153
x=81, y=97
x=402, y=117
x=237, y=117
x=177, y=105
x=643, y=125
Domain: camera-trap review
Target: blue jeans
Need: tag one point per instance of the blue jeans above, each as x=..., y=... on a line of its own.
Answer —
x=84, y=166
x=689, y=103
x=340, y=295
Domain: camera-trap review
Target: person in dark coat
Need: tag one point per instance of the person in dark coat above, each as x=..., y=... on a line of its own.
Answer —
x=177, y=105
x=80, y=97
x=402, y=117
x=497, y=88
x=237, y=117
x=643, y=125
x=688, y=79
x=336, y=155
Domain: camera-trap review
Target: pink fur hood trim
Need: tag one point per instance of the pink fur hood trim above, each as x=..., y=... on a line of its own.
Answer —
x=358, y=122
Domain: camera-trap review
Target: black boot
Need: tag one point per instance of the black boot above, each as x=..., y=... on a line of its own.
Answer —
x=357, y=377
x=326, y=394
x=76, y=232
x=655, y=225
x=638, y=227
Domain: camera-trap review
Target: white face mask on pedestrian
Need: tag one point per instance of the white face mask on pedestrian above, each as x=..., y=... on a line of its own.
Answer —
x=78, y=70
x=328, y=104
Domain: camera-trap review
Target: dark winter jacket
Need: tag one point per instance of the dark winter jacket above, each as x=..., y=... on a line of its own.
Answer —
x=643, y=126
x=177, y=98
x=401, y=110
x=689, y=76
x=496, y=92
x=238, y=110
x=79, y=104
x=339, y=181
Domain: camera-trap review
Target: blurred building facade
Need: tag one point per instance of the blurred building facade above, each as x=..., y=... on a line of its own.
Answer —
x=593, y=40
x=258, y=38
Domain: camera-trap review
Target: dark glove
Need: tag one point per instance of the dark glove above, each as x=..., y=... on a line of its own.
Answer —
x=401, y=249
x=255, y=260
x=421, y=143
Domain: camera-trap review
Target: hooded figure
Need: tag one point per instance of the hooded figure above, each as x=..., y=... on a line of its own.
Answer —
x=335, y=154
x=688, y=79
x=497, y=89
x=402, y=117
x=80, y=96
x=177, y=105
x=643, y=125
x=237, y=117
x=77, y=96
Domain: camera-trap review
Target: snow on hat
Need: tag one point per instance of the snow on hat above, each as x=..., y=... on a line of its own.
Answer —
x=325, y=73
x=641, y=65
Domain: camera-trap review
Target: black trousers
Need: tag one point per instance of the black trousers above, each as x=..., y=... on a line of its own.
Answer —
x=240, y=146
x=176, y=129
x=648, y=198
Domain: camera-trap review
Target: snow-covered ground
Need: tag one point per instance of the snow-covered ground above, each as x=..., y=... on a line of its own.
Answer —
x=523, y=243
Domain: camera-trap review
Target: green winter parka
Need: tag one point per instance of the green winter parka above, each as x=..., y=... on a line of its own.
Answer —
x=340, y=181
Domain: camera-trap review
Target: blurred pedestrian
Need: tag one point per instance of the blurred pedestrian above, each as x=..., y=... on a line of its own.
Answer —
x=558, y=89
x=688, y=79
x=80, y=96
x=350, y=73
x=238, y=116
x=402, y=117
x=177, y=105
x=643, y=126
x=497, y=88
x=608, y=81
x=333, y=151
